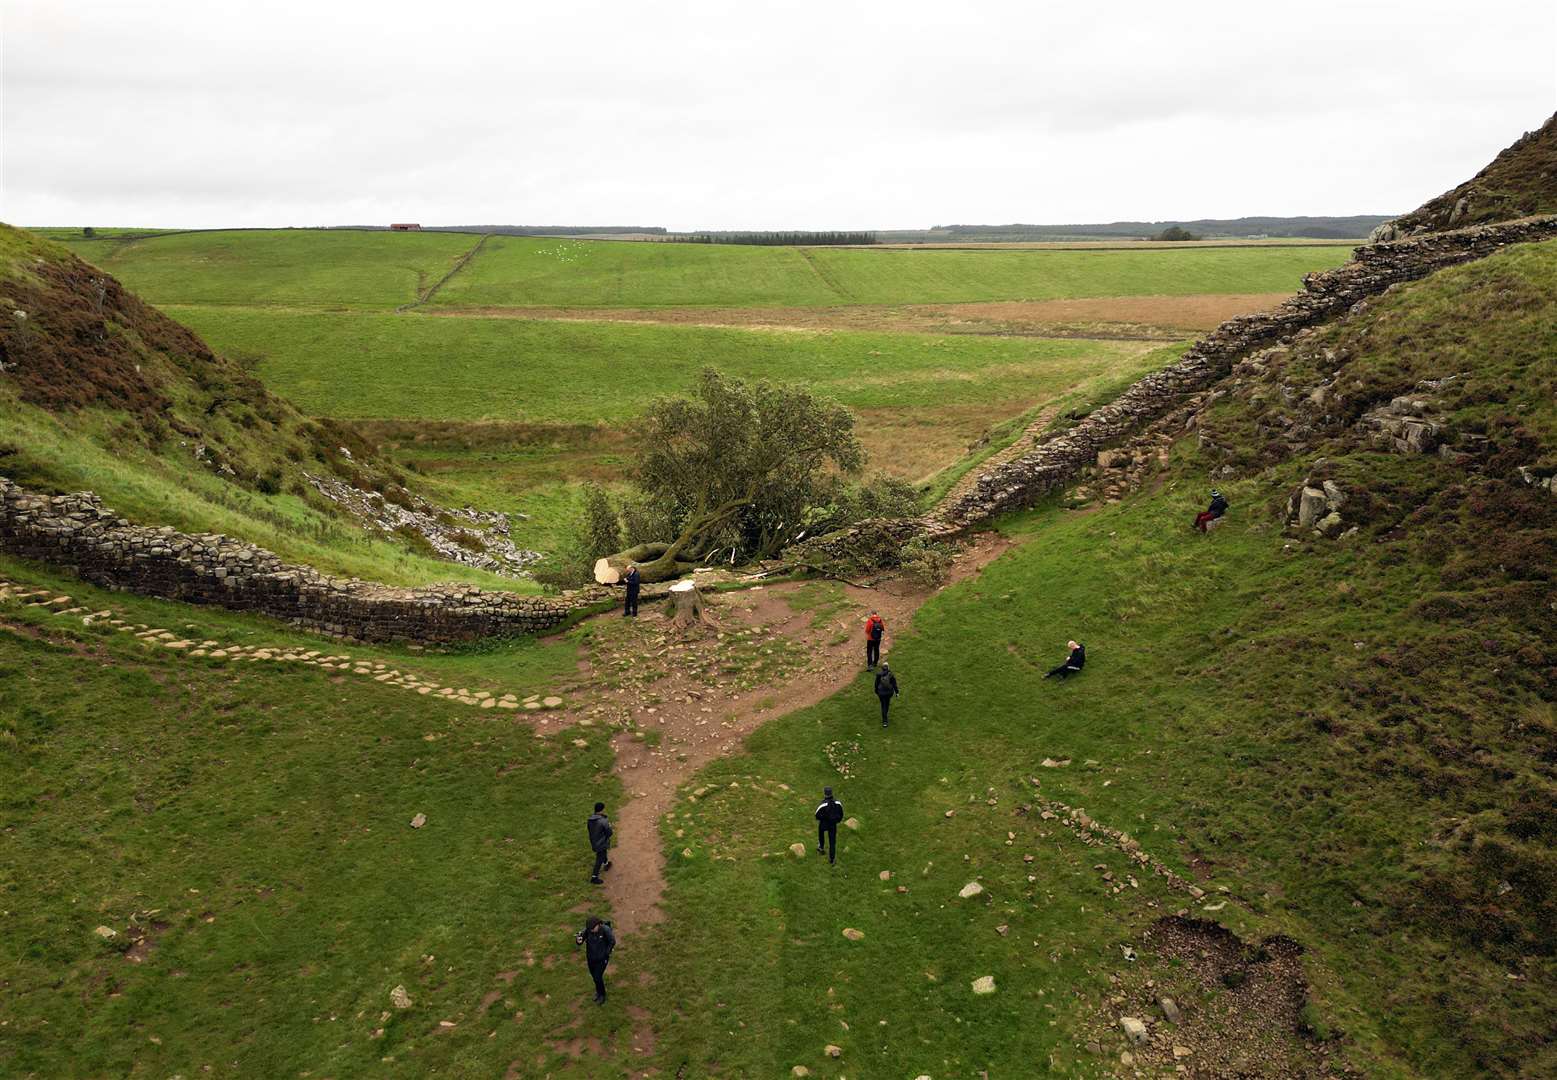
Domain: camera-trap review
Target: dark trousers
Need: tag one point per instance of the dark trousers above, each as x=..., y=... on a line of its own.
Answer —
x=872, y=652
x=602, y=857
x=886, y=703
x=827, y=836
x=597, y=972
x=632, y=603
x=1064, y=671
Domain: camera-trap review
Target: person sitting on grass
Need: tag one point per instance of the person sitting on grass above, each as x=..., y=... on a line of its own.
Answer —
x=1211, y=513
x=1073, y=663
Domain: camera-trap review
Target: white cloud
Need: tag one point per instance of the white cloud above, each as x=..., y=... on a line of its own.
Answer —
x=228, y=112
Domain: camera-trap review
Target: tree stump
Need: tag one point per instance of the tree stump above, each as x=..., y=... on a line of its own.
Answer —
x=687, y=603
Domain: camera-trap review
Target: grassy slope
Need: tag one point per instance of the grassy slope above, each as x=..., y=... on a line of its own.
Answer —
x=517, y=272
x=280, y=267
x=117, y=401
x=1357, y=738
x=530, y=371
x=258, y=819
x=1366, y=800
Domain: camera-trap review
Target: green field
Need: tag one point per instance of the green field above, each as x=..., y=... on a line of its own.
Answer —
x=512, y=272
x=281, y=268
x=377, y=270
x=555, y=371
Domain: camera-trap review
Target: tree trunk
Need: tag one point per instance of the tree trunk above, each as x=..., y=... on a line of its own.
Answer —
x=688, y=601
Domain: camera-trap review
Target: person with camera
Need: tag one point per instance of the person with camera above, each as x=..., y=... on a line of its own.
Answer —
x=598, y=940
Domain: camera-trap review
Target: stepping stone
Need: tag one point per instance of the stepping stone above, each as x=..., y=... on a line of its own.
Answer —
x=502, y=704
x=532, y=704
x=487, y=703
x=552, y=702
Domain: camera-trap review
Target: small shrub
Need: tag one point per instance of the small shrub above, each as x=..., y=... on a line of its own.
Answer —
x=602, y=527
x=926, y=563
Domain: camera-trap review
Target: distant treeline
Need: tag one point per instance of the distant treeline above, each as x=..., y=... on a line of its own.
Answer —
x=1353, y=227
x=776, y=239
x=529, y=230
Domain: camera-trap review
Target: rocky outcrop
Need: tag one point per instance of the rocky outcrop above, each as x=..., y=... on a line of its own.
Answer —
x=1317, y=506
x=78, y=532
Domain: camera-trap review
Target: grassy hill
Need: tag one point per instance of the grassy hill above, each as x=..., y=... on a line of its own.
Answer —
x=1344, y=744
x=99, y=391
x=1520, y=181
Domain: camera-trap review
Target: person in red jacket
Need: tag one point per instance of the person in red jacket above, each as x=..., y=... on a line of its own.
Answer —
x=875, y=630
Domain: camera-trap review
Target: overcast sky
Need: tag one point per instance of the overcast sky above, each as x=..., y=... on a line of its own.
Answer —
x=200, y=113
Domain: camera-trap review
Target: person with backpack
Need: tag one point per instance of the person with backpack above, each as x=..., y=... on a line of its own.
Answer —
x=875, y=630
x=598, y=940
x=828, y=815
x=1073, y=663
x=634, y=582
x=1211, y=513
x=599, y=842
x=886, y=690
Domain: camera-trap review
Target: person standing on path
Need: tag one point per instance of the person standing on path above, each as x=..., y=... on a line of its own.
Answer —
x=598, y=940
x=886, y=690
x=600, y=842
x=828, y=815
x=633, y=582
x=875, y=630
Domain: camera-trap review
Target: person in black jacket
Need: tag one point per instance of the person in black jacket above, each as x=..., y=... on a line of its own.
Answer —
x=633, y=583
x=886, y=690
x=1073, y=663
x=828, y=815
x=599, y=842
x=1217, y=508
x=598, y=940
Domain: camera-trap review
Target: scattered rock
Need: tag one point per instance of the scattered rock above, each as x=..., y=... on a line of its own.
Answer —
x=1170, y=1010
x=800, y=1070
x=853, y=934
x=1134, y=1030
x=852, y=824
x=106, y=932
x=833, y=1051
x=399, y=998
x=984, y=984
x=418, y=821
x=971, y=889
x=797, y=850
x=885, y=875
x=1181, y=1052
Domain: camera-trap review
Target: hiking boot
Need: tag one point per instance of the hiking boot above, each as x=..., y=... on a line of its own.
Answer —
x=596, y=881
x=599, y=999
x=607, y=866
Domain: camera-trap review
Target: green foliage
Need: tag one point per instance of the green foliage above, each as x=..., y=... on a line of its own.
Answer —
x=925, y=563
x=602, y=531
x=738, y=465
x=1175, y=233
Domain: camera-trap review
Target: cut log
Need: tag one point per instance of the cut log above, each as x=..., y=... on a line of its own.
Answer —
x=688, y=603
x=656, y=562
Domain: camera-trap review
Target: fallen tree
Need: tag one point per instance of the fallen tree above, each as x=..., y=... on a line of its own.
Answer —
x=734, y=472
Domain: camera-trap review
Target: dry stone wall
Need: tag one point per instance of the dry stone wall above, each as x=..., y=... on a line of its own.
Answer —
x=78, y=532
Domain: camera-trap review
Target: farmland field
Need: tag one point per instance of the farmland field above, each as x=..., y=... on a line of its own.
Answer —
x=383, y=270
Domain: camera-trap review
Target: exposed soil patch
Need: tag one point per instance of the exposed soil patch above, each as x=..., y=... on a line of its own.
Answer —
x=1150, y=317
x=1233, y=1009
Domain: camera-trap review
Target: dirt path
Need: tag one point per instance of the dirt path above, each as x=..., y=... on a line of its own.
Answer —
x=680, y=700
